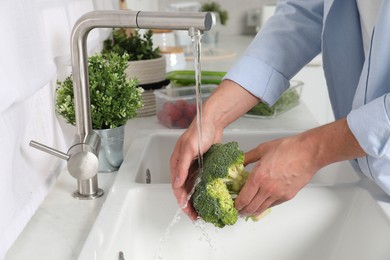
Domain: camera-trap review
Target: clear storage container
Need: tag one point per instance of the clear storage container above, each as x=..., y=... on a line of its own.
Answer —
x=289, y=99
x=176, y=107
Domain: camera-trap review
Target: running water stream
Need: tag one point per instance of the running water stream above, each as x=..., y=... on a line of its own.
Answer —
x=196, y=42
x=200, y=224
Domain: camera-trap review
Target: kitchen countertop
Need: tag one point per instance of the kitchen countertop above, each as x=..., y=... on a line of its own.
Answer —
x=61, y=224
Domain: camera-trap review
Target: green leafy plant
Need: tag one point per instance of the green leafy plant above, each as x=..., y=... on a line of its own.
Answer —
x=216, y=7
x=114, y=98
x=137, y=46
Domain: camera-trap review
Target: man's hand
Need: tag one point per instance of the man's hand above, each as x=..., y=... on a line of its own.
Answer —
x=284, y=166
x=184, y=164
x=228, y=102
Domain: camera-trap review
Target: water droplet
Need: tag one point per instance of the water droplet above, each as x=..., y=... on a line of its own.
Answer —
x=176, y=219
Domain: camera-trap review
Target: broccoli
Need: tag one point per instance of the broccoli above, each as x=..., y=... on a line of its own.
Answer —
x=222, y=179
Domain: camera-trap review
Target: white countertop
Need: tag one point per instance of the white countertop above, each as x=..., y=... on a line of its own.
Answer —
x=61, y=224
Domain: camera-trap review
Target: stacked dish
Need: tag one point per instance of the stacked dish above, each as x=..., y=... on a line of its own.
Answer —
x=151, y=75
x=149, y=107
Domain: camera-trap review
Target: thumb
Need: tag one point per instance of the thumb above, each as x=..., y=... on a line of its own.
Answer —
x=252, y=156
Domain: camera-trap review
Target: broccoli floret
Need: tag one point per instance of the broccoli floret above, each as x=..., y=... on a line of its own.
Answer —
x=222, y=179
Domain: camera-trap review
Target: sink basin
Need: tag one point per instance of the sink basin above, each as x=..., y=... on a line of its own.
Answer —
x=160, y=144
x=331, y=218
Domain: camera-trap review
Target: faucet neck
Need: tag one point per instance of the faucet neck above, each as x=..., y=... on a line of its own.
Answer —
x=79, y=57
x=117, y=19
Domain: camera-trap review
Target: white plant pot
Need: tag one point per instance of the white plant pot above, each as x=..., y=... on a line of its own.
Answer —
x=147, y=71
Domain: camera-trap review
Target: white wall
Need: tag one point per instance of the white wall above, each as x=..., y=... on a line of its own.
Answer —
x=237, y=12
x=36, y=51
x=237, y=15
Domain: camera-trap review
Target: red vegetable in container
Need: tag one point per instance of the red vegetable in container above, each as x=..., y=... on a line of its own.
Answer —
x=177, y=114
x=176, y=107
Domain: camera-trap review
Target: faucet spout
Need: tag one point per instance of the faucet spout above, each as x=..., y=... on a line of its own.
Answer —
x=86, y=144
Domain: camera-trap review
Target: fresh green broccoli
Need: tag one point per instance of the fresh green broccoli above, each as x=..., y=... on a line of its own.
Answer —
x=222, y=179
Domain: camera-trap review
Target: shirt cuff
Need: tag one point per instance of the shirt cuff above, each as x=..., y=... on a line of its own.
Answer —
x=370, y=125
x=260, y=79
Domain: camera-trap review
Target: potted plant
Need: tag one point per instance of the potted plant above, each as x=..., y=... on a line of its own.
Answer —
x=114, y=100
x=219, y=17
x=216, y=8
x=144, y=62
x=137, y=46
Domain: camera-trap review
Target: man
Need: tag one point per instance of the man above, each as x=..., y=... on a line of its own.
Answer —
x=354, y=38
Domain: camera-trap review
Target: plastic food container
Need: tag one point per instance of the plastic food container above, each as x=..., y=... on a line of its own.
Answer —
x=176, y=107
x=289, y=99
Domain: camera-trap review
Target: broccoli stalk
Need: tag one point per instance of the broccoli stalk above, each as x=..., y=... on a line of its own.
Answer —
x=235, y=179
x=222, y=179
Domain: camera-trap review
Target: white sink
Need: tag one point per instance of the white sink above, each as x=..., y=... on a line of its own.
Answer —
x=159, y=146
x=332, y=218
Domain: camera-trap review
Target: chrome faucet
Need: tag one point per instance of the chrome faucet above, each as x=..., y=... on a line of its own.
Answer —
x=82, y=156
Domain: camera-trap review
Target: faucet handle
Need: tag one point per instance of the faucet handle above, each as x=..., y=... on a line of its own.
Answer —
x=49, y=150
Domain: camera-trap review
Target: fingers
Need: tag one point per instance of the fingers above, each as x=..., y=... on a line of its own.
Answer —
x=260, y=192
x=183, y=174
x=269, y=202
x=247, y=194
x=189, y=186
x=252, y=156
x=184, y=201
x=180, y=164
x=181, y=195
x=259, y=203
x=189, y=210
x=252, y=200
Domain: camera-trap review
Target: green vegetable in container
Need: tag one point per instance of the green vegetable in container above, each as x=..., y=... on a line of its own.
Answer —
x=180, y=78
x=288, y=100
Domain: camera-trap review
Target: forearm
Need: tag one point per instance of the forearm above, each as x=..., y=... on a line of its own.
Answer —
x=227, y=103
x=331, y=143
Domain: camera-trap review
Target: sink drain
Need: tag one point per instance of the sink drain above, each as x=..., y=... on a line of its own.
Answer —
x=148, y=177
x=121, y=256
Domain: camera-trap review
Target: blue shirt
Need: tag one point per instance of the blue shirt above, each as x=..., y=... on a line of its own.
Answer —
x=358, y=86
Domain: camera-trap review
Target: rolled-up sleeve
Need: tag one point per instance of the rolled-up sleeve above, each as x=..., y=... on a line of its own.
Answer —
x=370, y=124
x=287, y=42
